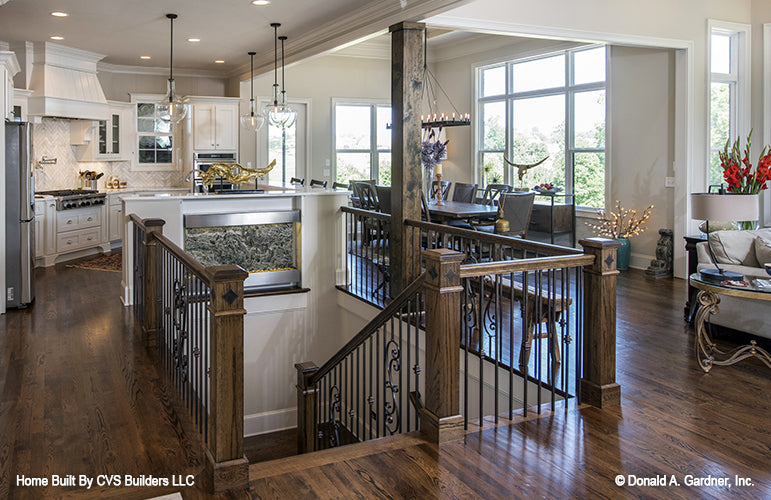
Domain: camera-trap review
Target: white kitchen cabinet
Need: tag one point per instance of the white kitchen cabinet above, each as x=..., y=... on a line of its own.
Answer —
x=45, y=231
x=115, y=220
x=104, y=140
x=215, y=126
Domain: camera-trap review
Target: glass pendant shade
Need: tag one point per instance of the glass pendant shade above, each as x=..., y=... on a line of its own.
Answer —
x=252, y=121
x=281, y=115
x=172, y=108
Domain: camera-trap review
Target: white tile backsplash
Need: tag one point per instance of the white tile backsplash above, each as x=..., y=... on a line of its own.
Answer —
x=51, y=138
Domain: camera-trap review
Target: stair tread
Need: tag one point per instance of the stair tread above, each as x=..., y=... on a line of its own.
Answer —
x=324, y=457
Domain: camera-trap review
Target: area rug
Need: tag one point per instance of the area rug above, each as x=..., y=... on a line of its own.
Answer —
x=104, y=262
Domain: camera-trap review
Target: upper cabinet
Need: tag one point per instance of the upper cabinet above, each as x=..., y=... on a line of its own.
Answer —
x=215, y=125
x=104, y=140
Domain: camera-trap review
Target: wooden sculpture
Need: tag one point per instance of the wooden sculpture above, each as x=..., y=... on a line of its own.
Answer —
x=234, y=172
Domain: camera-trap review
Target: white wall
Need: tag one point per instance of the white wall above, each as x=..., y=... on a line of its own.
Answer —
x=641, y=125
x=320, y=80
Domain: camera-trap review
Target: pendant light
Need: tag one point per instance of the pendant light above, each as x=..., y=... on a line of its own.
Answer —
x=252, y=121
x=171, y=108
x=289, y=115
x=278, y=113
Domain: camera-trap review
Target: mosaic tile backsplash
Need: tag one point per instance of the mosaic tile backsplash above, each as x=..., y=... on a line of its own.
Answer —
x=51, y=138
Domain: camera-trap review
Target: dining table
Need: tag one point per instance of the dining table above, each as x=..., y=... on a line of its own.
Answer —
x=455, y=210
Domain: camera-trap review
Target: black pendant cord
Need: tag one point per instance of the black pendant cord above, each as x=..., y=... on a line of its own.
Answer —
x=251, y=81
x=283, y=85
x=171, y=46
x=275, y=62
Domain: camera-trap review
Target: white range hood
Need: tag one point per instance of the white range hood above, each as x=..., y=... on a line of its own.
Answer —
x=64, y=83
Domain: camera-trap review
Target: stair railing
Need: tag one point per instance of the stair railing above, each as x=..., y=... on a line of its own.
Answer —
x=193, y=317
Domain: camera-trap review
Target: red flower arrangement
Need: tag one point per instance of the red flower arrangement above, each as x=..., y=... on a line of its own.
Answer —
x=738, y=171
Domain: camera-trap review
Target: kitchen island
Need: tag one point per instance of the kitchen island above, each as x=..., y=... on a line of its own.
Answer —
x=299, y=318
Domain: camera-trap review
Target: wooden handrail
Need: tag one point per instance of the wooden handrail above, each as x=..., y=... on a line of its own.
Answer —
x=534, y=264
x=145, y=223
x=203, y=273
x=496, y=239
x=366, y=213
x=370, y=328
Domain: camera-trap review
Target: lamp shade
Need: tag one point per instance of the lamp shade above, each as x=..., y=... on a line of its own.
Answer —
x=724, y=207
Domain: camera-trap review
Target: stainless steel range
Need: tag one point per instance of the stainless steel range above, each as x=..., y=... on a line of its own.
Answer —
x=67, y=199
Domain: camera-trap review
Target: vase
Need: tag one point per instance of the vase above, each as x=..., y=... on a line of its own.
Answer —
x=623, y=253
x=429, y=177
x=748, y=224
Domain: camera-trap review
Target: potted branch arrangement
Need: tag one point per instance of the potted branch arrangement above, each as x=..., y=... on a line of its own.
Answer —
x=620, y=225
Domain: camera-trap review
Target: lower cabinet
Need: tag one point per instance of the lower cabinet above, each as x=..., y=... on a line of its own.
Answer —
x=68, y=234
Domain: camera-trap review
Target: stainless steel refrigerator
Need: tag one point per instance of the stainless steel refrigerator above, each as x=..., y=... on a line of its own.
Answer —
x=19, y=215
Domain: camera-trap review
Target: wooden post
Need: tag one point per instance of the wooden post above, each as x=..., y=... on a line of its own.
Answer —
x=598, y=385
x=226, y=467
x=151, y=278
x=406, y=169
x=440, y=418
x=306, y=404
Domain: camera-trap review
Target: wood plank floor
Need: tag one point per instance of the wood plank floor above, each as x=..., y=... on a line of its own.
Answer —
x=79, y=394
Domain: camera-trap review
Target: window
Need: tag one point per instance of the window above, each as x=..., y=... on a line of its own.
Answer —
x=282, y=146
x=552, y=105
x=728, y=93
x=154, y=136
x=363, y=142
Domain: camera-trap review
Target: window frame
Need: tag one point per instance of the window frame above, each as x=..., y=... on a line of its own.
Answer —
x=135, y=100
x=739, y=84
x=569, y=89
x=373, y=150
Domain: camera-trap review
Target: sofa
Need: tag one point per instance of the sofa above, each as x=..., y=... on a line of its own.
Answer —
x=743, y=252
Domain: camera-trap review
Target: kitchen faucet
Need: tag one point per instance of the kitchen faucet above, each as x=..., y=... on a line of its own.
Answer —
x=191, y=179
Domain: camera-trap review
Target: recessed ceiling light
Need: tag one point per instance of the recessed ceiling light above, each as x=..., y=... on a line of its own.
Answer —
x=261, y=2
x=59, y=14
x=193, y=39
x=57, y=37
x=219, y=61
x=144, y=57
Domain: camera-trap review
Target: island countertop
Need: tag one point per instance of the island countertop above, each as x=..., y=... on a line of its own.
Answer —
x=271, y=190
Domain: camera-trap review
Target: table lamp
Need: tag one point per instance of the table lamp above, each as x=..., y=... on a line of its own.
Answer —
x=722, y=206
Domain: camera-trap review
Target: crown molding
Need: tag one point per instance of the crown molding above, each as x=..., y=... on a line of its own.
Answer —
x=103, y=67
x=361, y=23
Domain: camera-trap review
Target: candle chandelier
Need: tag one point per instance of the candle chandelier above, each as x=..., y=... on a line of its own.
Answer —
x=280, y=113
x=434, y=118
x=172, y=108
x=252, y=120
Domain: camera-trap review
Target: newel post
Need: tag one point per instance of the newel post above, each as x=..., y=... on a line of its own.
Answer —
x=598, y=385
x=306, y=404
x=440, y=418
x=226, y=467
x=151, y=279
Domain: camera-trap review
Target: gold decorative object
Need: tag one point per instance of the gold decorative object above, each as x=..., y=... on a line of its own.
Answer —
x=234, y=172
x=523, y=168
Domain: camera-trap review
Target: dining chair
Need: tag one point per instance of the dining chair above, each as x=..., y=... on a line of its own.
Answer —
x=517, y=208
x=297, y=180
x=316, y=182
x=464, y=192
x=493, y=192
x=365, y=195
x=445, y=189
x=384, y=198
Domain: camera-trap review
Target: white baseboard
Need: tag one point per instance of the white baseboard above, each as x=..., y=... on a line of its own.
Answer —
x=270, y=421
x=640, y=261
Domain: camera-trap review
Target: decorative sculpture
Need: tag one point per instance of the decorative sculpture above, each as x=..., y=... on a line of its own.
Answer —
x=661, y=266
x=523, y=168
x=234, y=172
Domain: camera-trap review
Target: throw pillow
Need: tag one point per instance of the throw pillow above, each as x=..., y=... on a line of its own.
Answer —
x=762, y=250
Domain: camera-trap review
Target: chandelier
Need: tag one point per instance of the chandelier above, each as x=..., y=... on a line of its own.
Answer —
x=252, y=121
x=171, y=108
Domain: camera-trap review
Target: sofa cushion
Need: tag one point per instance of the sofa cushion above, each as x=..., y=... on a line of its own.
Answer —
x=762, y=249
x=737, y=247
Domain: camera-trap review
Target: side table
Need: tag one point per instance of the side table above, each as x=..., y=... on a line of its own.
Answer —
x=707, y=354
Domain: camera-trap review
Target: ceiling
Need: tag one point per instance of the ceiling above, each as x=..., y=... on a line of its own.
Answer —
x=125, y=30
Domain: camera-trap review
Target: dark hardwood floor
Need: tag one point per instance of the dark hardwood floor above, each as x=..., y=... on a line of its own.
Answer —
x=79, y=394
